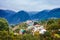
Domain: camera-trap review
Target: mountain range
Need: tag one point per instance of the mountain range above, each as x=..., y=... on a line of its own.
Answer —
x=22, y=16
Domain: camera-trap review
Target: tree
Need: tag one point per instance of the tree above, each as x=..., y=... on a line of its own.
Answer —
x=3, y=24
x=53, y=24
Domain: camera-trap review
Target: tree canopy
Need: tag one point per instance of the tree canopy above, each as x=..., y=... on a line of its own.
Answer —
x=3, y=24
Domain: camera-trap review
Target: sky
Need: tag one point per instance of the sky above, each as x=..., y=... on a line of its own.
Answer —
x=29, y=5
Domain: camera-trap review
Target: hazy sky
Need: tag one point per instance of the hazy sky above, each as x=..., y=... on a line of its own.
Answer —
x=29, y=5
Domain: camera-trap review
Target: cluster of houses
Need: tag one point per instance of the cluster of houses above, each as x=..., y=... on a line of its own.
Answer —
x=33, y=26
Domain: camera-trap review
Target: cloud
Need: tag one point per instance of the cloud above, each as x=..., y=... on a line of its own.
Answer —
x=29, y=5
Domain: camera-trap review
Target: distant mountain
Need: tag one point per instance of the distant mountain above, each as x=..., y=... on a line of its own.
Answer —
x=3, y=13
x=46, y=14
x=14, y=17
x=32, y=13
x=6, y=14
x=54, y=13
x=41, y=15
x=21, y=16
